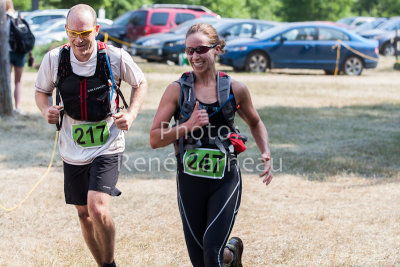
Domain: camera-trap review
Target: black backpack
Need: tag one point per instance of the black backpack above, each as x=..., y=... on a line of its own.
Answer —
x=21, y=39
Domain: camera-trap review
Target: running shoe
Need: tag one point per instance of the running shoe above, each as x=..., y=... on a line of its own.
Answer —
x=235, y=245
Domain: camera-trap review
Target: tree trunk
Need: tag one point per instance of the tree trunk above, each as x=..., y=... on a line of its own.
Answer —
x=5, y=87
x=35, y=4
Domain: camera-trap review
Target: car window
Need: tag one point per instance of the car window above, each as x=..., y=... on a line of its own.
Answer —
x=138, y=18
x=159, y=18
x=242, y=30
x=346, y=21
x=41, y=19
x=390, y=25
x=246, y=30
x=301, y=34
x=332, y=35
x=182, y=17
x=262, y=27
x=45, y=25
x=60, y=28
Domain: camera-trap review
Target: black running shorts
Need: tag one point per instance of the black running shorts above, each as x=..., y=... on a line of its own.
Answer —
x=101, y=175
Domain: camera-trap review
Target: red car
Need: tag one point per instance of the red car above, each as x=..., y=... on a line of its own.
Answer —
x=153, y=19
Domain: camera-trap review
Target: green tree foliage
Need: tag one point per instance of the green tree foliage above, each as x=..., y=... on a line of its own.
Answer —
x=378, y=8
x=303, y=10
x=23, y=5
x=279, y=10
x=264, y=9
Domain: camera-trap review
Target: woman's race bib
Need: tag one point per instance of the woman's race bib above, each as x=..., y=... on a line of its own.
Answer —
x=204, y=162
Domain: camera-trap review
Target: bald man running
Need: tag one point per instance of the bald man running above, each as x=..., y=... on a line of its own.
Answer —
x=92, y=128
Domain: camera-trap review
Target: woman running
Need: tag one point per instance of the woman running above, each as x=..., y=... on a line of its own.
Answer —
x=203, y=103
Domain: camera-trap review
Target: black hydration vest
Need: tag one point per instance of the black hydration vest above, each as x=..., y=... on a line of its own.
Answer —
x=187, y=102
x=86, y=98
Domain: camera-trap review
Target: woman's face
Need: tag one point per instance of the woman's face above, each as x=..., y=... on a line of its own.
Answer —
x=201, y=62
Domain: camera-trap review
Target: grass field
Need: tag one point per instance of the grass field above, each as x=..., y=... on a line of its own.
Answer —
x=334, y=200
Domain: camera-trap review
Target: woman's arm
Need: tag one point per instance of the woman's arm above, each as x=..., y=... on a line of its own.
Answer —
x=249, y=114
x=160, y=134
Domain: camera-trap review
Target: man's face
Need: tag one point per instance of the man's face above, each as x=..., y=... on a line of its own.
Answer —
x=81, y=33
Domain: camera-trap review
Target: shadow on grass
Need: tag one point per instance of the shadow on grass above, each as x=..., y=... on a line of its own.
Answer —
x=313, y=142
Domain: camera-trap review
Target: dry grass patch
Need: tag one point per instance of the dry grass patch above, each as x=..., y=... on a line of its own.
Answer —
x=345, y=221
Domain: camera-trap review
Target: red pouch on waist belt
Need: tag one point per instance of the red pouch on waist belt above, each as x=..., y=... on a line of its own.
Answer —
x=238, y=142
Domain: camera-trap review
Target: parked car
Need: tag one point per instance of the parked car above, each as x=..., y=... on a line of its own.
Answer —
x=370, y=25
x=150, y=47
x=384, y=34
x=353, y=22
x=49, y=31
x=169, y=47
x=104, y=22
x=301, y=45
x=54, y=30
x=153, y=19
x=37, y=17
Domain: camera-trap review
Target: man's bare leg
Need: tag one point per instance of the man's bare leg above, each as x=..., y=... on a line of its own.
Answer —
x=89, y=233
x=103, y=225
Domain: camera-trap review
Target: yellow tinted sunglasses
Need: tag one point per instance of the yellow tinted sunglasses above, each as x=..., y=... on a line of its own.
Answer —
x=82, y=34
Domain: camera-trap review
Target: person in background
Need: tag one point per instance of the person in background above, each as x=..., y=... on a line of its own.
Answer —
x=17, y=61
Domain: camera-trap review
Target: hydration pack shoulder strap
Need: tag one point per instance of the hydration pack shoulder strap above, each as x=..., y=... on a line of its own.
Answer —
x=64, y=69
x=225, y=99
x=187, y=99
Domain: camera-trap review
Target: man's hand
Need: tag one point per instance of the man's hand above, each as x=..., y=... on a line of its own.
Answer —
x=52, y=114
x=123, y=121
x=267, y=169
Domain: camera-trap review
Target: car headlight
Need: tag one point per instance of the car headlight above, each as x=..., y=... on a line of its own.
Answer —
x=236, y=48
x=151, y=42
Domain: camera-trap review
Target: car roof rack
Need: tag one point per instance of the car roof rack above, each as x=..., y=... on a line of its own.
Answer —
x=178, y=6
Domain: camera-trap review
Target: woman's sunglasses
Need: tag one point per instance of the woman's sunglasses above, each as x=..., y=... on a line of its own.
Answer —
x=83, y=34
x=199, y=50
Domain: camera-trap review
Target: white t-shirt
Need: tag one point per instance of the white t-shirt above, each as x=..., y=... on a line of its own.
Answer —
x=123, y=68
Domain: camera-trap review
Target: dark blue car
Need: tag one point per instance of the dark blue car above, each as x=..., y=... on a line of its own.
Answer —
x=168, y=46
x=384, y=34
x=305, y=45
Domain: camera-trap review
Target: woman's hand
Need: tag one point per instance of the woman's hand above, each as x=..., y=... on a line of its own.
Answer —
x=198, y=119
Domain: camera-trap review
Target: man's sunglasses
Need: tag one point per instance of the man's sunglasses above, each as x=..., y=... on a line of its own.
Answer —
x=83, y=34
x=199, y=50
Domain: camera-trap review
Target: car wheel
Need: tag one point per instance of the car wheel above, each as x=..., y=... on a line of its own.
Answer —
x=388, y=50
x=256, y=62
x=353, y=66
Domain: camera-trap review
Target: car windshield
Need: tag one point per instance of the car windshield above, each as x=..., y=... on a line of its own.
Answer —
x=370, y=25
x=136, y=18
x=347, y=21
x=47, y=25
x=184, y=27
x=390, y=25
x=123, y=19
x=225, y=23
x=270, y=32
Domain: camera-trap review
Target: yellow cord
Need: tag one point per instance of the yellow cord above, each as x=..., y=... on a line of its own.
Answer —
x=339, y=44
x=107, y=36
x=37, y=183
x=337, y=58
